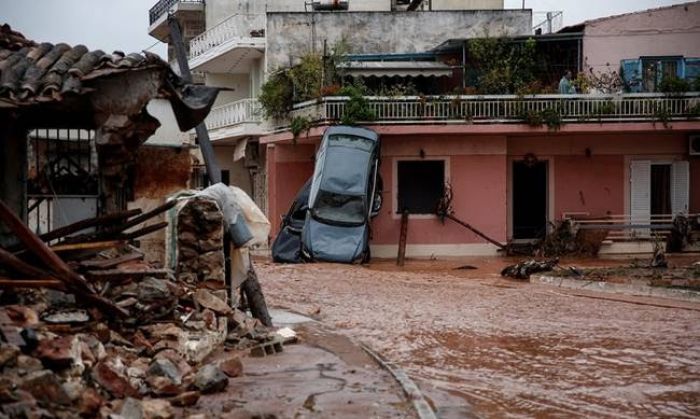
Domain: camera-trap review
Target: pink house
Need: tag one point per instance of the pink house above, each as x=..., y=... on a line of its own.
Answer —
x=637, y=163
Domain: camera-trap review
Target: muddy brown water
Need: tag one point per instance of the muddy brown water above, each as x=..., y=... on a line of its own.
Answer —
x=501, y=348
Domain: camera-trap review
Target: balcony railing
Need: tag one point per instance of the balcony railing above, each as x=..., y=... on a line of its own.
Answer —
x=237, y=26
x=511, y=108
x=163, y=6
x=239, y=112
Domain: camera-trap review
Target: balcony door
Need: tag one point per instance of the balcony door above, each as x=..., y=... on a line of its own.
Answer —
x=657, y=188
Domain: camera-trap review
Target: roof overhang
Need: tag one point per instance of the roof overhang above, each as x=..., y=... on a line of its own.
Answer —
x=396, y=69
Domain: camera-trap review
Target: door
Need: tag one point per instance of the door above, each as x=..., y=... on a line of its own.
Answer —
x=657, y=188
x=529, y=199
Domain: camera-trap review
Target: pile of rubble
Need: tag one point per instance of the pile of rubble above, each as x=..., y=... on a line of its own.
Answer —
x=94, y=331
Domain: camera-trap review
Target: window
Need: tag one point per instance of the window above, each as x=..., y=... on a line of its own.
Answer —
x=421, y=185
x=655, y=70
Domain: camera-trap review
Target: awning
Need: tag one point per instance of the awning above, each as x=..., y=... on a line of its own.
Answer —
x=396, y=68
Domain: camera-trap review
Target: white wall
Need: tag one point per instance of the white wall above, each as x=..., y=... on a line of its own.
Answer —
x=467, y=4
x=168, y=133
x=240, y=83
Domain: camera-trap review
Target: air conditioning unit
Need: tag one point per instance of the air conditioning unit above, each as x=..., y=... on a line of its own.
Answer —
x=694, y=145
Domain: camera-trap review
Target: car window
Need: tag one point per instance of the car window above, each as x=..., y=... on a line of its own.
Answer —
x=351, y=141
x=339, y=208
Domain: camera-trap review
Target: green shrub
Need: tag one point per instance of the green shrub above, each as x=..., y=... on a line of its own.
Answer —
x=673, y=84
x=356, y=108
x=277, y=95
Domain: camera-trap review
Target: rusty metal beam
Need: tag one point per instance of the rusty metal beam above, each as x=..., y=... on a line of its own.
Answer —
x=177, y=42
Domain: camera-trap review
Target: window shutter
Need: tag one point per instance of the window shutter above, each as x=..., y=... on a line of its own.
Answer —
x=680, y=187
x=640, y=194
x=692, y=68
x=632, y=74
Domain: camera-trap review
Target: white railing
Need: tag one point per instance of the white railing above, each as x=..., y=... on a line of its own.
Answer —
x=511, y=108
x=626, y=227
x=237, y=26
x=234, y=113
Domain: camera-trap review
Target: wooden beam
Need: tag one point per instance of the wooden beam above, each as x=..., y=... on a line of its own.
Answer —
x=107, y=219
x=18, y=265
x=146, y=216
x=143, y=231
x=111, y=263
x=74, y=282
x=108, y=244
x=44, y=282
x=400, y=258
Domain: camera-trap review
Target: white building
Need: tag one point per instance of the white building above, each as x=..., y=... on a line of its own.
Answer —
x=233, y=43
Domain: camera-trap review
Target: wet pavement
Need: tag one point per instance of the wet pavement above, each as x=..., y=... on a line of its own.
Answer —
x=479, y=345
x=324, y=375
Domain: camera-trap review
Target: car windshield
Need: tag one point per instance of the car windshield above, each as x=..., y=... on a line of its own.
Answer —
x=351, y=141
x=338, y=208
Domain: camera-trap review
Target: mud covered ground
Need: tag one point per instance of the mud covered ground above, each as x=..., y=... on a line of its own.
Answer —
x=484, y=346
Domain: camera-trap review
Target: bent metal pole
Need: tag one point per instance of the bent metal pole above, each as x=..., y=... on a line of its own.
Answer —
x=202, y=133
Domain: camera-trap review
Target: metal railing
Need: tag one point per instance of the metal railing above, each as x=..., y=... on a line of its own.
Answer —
x=237, y=26
x=163, y=6
x=626, y=227
x=511, y=108
x=234, y=113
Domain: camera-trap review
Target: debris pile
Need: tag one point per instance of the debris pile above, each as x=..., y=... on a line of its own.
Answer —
x=524, y=269
x=87, y=328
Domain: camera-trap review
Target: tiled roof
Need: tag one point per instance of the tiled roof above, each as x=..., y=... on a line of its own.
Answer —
x=33, y=72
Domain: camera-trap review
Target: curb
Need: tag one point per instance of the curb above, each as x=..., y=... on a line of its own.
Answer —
x=615, y=288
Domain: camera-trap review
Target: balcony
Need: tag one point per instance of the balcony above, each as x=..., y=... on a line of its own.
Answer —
x=242, y=118
x=511, y=109
x=182, y=9
x=231, y=46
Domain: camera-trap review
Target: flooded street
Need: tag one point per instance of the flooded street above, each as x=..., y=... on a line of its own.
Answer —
x=488, y=347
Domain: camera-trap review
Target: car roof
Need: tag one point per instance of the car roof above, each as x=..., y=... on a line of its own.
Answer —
x=356, y=131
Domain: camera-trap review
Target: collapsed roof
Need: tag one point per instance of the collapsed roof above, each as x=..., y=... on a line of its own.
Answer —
x=65, y=79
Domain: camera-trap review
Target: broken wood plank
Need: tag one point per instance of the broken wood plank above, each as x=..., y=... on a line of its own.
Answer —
x=143, y=231
x=42, y=282
x=103, y=220
x=18, y=265
x=111, y=263
x=146, y=216
x=88, y=246
x=123, y=274
x=403, y=236
x=74, y=282
x=475, y=231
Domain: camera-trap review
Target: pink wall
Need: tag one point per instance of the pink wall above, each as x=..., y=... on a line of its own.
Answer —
x=594, y=185
x=661, y=32
x=476, y=169
x=288, y=167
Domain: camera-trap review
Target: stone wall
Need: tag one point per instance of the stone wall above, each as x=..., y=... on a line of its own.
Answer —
x=291, y=35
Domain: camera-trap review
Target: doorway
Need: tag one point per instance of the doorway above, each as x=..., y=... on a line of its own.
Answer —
x=529, y=199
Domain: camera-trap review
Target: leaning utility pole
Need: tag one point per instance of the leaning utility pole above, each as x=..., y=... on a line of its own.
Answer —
x=202, y=133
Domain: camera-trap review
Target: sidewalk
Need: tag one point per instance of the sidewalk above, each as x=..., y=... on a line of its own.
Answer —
x=323, y=375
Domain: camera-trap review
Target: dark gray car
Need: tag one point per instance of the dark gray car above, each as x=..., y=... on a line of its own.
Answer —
x=344, y=195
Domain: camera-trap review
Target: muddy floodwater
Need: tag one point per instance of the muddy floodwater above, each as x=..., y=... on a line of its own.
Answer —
x=483, y=346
